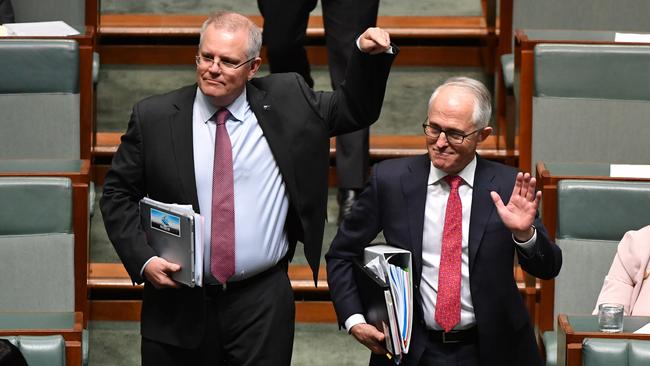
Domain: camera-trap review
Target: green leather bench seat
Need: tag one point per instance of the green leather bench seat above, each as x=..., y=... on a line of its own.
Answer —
x=40, y=350
x=619, y=352
x=592, y=217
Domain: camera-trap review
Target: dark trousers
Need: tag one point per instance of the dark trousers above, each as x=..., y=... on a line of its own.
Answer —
x=285, y=24
x=248, y=325
x=455, y=354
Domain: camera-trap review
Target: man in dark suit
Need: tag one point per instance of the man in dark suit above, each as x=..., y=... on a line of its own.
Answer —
x=446, y=208
x=6, y=12
x=285, y=25
x=251, y=155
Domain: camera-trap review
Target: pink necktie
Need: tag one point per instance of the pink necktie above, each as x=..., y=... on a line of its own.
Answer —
x=222, y=233
x=448, y=301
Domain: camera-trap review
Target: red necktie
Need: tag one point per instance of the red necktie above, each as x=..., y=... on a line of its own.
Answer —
x=448, y=301
x=222, y=232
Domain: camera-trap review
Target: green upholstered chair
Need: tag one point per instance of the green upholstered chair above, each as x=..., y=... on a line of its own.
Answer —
x=573, y=15
x=598, y=15
x=592, y=217
x=591, y=104
x=83, y=15
x=39, y=99
x=619, y=352
x=40, y=350
x=77, y=13
x=41, y=262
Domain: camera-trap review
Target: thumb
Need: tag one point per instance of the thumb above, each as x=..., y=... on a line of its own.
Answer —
x=497, y=200
x=173, y=267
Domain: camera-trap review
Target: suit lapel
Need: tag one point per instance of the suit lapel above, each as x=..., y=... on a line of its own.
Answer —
x=182, y=144
x=414, y=189
x=274, y=132
x=482, y=207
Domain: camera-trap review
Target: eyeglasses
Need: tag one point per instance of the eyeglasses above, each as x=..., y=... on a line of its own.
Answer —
x=453, y=137
x=207, y=62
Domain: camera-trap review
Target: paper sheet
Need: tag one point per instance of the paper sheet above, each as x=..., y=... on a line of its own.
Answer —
x=632, y=37
x=40, y=29
x=644, y=329
x=629, y=171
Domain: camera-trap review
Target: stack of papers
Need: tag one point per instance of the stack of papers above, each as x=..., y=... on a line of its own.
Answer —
x=392, y=266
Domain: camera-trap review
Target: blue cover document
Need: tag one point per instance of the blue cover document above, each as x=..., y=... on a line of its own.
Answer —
x=391, y=268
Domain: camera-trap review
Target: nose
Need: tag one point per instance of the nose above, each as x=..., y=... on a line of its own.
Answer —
x=442, y=142
x=215, y=67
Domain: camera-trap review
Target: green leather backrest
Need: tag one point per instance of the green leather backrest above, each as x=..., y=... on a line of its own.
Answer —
x=35, y=205
x=592, y=217
x=39, y=66
x=39, y=99
x=72, y=12
x=36, y=244
x=40, y=350
x=627, y=15
x=592, y=71
x=601, y=210
x=619, y=352
x=591, y=104
x=585, y=263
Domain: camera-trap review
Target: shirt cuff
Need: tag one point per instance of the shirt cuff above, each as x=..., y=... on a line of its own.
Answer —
x=353, y=320
x=145, y=264
x=389, y=51
x=528, y=247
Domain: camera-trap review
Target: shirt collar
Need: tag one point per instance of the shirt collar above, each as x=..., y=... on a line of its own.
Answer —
x=205, y=108
x=435, y=174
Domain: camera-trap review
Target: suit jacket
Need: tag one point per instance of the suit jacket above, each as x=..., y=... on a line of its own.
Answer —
x=155, y=159
x=394, y=202
x=627, y=281
x=6, y=12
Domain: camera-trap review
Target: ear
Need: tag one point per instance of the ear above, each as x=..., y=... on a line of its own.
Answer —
x=487, y=131
x=255, y=66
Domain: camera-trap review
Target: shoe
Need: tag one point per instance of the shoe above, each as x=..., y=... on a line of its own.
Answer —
x=346, y=199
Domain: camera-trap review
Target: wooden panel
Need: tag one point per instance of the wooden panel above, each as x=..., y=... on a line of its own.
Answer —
x=188, y=25
x=315, y=312
x=115, y=310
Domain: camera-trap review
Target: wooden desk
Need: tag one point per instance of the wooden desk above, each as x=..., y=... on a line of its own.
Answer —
x=548, y=176
x=572, y=329
x=525, y=42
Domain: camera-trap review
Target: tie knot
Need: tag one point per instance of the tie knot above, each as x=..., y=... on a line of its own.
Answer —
x=454, y=181
x=221, y=116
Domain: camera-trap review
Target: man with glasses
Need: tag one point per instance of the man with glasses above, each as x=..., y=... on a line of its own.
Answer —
x=251, y=155
x=446, y=208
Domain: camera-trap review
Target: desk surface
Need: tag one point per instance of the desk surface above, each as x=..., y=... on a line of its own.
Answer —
x=580, y=169
x=589, y=323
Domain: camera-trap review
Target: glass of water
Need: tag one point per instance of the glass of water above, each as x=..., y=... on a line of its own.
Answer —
x=610, y=317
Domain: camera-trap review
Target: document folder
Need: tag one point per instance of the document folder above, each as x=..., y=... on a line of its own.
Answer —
x=175, y=233
x=387, y=286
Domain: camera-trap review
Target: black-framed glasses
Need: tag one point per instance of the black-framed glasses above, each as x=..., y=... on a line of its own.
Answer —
x=207, y=62
x=453, y=137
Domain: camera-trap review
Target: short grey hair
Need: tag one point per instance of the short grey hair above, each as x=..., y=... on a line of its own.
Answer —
x=482, y=100
x=233, y=22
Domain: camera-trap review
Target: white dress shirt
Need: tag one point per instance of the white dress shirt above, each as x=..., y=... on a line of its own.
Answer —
x=261, y=201
x=434, y=219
